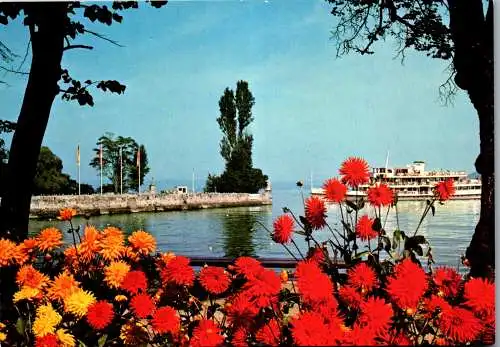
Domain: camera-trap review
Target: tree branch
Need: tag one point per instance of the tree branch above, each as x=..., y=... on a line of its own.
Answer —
x=14, y=71
x=77, y=46
x=103, y=37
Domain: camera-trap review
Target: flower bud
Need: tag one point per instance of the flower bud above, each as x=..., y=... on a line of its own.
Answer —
x=284, y=276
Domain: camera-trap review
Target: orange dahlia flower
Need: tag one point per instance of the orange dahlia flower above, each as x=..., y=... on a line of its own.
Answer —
x=62, y=286
x=66, y=214
x=31, y=277
x=49, y=239
x=7, y=252
x=115, y=273
x=25, y=250
x=142, y=242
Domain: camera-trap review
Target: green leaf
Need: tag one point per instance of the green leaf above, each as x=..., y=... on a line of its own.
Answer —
x=377, y=225
x=419, y=239
x=20, y=326
x=81, y=344
x=352, y=205
x=102, y=340
x=361, y=204
x=359, y=255
x=396, y=235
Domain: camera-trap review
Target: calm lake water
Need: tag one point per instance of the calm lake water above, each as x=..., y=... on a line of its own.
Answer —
x=236, y=231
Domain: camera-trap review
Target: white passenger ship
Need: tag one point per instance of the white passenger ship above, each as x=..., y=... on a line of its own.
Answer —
x=414, y=183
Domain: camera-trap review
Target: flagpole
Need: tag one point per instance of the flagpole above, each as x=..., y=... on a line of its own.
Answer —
x=139, y=168
x=121, y=170
x=193, y=180
x=100, y=159
x=78, y=163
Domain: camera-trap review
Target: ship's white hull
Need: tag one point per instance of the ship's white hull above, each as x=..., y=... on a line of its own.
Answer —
x=474, y=194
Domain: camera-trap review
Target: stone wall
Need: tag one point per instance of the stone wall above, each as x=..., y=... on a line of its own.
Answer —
x=49, y=206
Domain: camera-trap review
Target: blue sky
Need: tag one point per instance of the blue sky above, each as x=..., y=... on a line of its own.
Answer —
x=312, y=110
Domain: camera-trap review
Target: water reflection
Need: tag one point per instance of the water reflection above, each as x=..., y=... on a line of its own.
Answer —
x=235, y=231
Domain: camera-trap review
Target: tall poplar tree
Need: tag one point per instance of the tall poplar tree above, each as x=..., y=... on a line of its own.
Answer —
x=236, y=144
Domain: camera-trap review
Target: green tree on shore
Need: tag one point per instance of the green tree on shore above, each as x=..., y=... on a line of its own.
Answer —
x=236, y=144
x=50, y=179
x=116, y=166
x=460, y=31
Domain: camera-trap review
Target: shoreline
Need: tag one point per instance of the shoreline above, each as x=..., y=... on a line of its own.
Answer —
x=47, y=207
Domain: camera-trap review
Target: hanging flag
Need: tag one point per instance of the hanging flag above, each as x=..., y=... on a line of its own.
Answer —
x=78, y=155
x=100, y=155
x=139, y=157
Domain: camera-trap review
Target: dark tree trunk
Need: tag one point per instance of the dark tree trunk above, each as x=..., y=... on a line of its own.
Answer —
x=47, y=40
x=472, y=34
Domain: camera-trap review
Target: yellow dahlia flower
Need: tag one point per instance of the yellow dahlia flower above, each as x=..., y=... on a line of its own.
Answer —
x=65, y=338
x=78, y=302
x=46, y=320
x=115, y=272
x=26, y=293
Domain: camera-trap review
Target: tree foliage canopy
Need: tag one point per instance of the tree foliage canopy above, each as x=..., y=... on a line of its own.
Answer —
x=236, y=144
x=51, y=180
x=124, y=164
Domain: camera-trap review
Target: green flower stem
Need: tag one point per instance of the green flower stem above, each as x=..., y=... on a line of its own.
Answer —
x=427, y=208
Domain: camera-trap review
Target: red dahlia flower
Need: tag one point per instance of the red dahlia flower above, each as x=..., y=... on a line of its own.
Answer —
x=360, y=336
x=313, y=284
x=435, y=303
x=444, y=190
x=49, y=340
x=315, y=212
x=335, y=190
x=247, y=267
x=350, y=296
x=166, y=320
x=354, y=171
x=214, y=279
x=380, y=195
x=269, y=334
x=480, y=296
x=447, y=280
x=134, y=282
x=408, y=284
x=240, y=338
x=206, y=333
x=283, y=229
x=264, y=283
x=310, y=330
x=142, y=305
x=178, y=271
x=460, y=325
x=240, y=310
x=364, y=228
x=100, y=314
x=376, y=314
x=362, y=277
